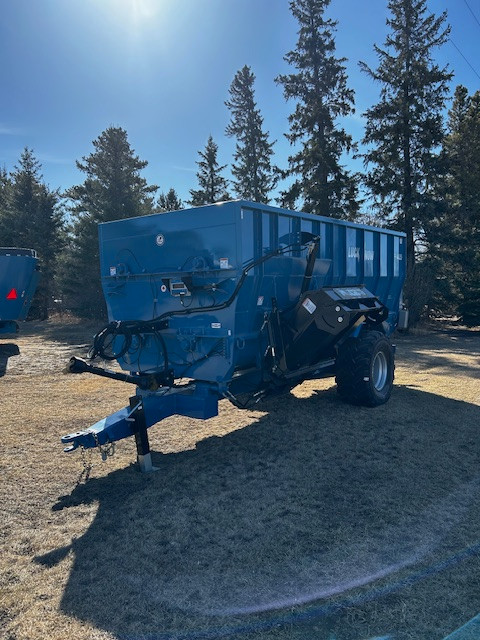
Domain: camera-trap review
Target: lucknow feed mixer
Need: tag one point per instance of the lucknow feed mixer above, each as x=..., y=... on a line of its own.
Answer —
x=238, y=300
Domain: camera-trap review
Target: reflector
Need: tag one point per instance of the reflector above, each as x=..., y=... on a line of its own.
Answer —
x=12, y=295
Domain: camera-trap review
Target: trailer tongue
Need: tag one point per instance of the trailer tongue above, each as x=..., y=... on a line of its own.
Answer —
x=241, y=300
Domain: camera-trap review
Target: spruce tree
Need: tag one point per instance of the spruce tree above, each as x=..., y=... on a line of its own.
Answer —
x=319, y=85
x=5, y=195
x=169, y=201
x=252, y=168
x=461, y=148
x=113, y=189
x=33, y=219
x=212, y=185
x=26, y=186
x=455, y=234
x=405, y=127
x=49, y=241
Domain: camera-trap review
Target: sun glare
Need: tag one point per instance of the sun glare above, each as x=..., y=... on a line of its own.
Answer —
x=143, y=9
x=135, y=12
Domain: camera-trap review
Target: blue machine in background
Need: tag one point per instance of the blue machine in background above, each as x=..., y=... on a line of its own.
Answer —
x=238, y=300
x=19, y=274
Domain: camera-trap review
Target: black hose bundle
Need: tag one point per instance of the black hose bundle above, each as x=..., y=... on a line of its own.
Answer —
x=104, y=341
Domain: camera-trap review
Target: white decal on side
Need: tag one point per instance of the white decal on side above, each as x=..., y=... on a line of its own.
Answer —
x=309, y=305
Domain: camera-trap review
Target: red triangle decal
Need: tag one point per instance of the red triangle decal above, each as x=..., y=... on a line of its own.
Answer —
x=12, y=295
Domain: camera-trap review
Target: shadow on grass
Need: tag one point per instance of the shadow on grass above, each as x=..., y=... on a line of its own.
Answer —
x=442, y=359
x=69, y=331
x=440, y=350
x=7, y=350
x=285, y=526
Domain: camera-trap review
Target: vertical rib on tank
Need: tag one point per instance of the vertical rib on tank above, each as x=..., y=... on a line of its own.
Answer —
x=213, y=271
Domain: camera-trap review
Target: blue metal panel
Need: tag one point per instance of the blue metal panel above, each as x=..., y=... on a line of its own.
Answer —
x=18, y=281
x=195, y=402
x=469, y=631
x=353, y=255
x=369, y=254
x=338, y=251
x=203, y=252
x=196, y=294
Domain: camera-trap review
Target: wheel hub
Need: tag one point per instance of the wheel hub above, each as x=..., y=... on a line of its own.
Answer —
x=379, y=371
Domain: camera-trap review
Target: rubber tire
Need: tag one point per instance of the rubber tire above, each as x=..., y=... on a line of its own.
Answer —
x=354, y=375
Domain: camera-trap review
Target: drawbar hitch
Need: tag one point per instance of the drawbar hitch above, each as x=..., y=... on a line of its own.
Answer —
x=146, y=382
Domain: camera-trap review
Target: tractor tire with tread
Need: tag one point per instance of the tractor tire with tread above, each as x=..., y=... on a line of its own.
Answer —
x=365, y=369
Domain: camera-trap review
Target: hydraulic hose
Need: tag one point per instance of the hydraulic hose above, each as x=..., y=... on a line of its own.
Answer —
x=130, y=328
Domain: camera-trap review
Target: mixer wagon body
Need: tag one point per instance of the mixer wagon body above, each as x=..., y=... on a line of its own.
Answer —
x=18, y=280
x=243, y=298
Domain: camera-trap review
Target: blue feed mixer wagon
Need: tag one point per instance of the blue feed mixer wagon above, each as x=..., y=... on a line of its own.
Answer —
x=19, y=274
x=239, y=300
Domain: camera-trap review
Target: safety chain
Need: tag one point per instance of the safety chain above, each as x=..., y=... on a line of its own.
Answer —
x=87, y=465
x=106, y=450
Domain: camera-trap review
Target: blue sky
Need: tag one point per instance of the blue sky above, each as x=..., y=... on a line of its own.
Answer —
x=161, y=69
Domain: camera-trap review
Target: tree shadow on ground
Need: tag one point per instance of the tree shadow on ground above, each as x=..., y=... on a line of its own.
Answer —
x=440, y=350
x=69, y=331
x=441, y=359
x=284, y=526
x=7, y=350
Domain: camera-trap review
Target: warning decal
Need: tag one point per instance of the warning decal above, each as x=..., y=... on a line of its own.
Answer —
x=309, y=305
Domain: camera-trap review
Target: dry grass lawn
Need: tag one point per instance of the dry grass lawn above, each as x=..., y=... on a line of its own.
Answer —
x=306, y=518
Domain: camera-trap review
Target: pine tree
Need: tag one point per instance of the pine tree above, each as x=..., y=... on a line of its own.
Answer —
x=252, y=168
x=169, y=201
x=5, y=195
x=212, y=185
x=26, y=182
x=49, y=241
x=113, y=189
x=405, y=127
x=455, y=234
x=461, y=147
x=33, y=219
x=319, y=85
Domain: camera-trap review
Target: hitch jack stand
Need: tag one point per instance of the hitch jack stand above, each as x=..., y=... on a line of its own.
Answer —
x=139, y=429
